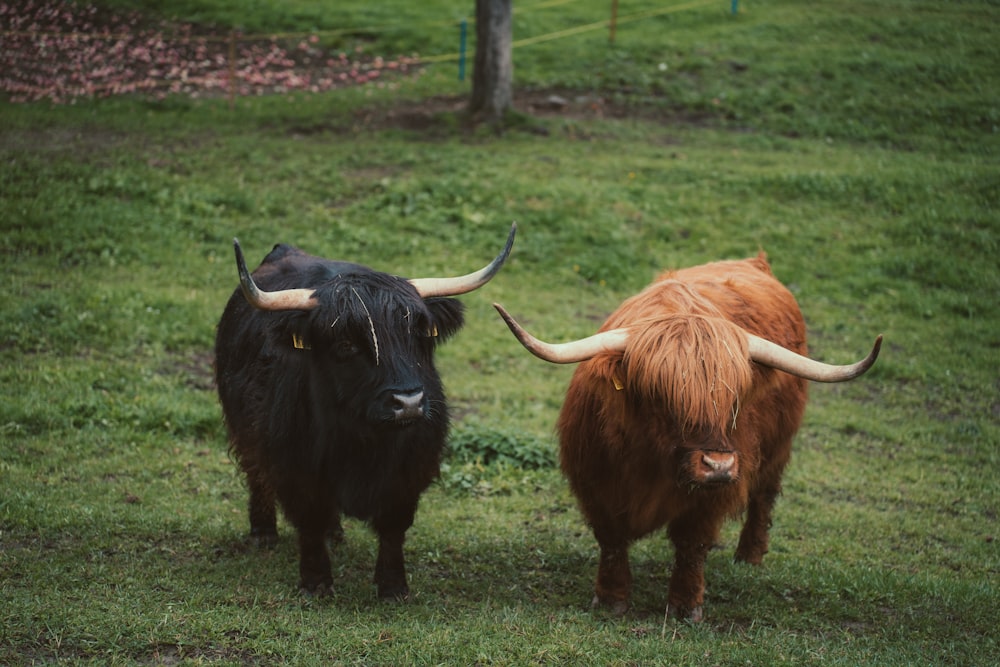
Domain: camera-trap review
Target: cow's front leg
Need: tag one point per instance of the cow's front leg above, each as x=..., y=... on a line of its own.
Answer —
x=614, y=578
x=692, y=538
x=613, y=586
x=390, y=569
x=263, y=518
x=314, y=562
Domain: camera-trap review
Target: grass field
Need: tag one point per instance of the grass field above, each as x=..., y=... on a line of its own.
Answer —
x=857, y=143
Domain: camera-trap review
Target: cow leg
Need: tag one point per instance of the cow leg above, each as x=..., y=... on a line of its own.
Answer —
x=614, y=577
x=335, y=531
x=314, y=562
x=692, y=537
x=263, y=521
x=390, y=569
x=754, y=536
x=613, y=586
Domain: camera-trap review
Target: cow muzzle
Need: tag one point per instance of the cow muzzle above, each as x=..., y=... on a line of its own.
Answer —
x=714, y=467
x=406, y=407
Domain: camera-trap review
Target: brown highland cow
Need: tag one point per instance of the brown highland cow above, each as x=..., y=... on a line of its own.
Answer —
x=682, y=414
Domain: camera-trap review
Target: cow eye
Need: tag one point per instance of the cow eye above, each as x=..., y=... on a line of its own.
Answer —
x=344, y=348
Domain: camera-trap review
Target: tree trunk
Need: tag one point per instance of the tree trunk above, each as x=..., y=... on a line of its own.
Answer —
x=493, y=70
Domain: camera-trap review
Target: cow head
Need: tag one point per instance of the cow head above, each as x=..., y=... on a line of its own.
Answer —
x=689, y=373
x=364, y=339
x=371, y=341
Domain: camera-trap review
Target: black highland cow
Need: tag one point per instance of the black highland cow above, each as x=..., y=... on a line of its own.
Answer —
x=326, y=376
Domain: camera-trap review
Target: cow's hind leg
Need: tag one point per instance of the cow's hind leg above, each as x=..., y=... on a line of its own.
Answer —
x=753, y=542
x=776, y=450
x=754, y=535
x=335, y=531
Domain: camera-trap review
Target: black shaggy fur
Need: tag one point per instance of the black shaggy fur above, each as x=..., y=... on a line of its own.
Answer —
x=314, y=429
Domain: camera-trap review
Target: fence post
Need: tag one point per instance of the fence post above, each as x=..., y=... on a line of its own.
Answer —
x=613, y=24
x=735, y=6
x=462, y=29
x=232, y=70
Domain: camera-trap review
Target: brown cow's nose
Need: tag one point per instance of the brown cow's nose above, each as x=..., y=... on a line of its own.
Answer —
x=717, y=467
x=408, y=406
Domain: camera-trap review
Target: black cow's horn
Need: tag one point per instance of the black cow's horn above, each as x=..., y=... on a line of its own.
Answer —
x=289, y=299
x=762, y=351
x=428, y=287
x=302, y=299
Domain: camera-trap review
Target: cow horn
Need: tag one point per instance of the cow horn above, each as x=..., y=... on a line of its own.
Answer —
x=289, y=299
x=762, y=351
x=429, y=287
x=769, y=354
x=566, y=353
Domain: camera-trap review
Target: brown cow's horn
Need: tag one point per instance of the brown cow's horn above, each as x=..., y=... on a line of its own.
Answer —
x=289, y=299
x=566, y=353
x=761, y=351
x=429, y=287
x=769, y=354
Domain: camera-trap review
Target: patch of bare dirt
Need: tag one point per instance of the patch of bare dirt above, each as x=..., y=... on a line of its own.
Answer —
x=60, y=52
x=440, y=116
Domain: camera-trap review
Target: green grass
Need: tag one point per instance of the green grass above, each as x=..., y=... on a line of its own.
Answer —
x=855, y=142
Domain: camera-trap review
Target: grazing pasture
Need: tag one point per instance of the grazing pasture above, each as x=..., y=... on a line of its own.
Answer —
x=857, y=143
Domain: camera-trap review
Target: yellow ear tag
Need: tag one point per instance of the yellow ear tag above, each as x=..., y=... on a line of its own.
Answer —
x=434, y=331
x=299, y=343
x=618, y=383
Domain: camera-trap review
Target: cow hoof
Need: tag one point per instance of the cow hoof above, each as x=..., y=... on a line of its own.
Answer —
x=394, y=593
x=749, y=557
x=693, y=615
x=263, y=539
x=316, y=590
x=615, y=607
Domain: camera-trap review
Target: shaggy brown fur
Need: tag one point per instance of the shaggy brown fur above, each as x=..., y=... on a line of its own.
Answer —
x=641, y=457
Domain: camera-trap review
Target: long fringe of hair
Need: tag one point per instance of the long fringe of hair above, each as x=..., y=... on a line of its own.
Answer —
x=697, y=365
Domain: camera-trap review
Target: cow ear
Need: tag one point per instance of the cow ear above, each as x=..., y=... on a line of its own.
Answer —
x=446, y=317
x=291, y=330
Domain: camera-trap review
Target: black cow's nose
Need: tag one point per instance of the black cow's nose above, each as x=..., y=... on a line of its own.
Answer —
x=407, y=405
